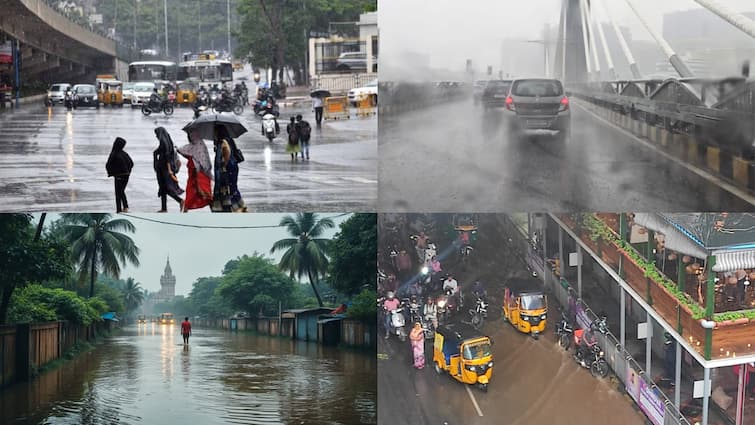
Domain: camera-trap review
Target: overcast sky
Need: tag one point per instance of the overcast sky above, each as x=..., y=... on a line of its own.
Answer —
x=197, y=253
x=449, y=31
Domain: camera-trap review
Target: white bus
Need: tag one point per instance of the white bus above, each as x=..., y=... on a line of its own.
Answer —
x=207, y=72
x=158, y=72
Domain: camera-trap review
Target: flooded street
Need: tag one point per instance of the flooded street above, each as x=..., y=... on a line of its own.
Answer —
x=145, y=375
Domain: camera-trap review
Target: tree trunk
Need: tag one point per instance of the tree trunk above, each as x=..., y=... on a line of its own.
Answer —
x=92, y=272
x=5, y=302
x=313, y=282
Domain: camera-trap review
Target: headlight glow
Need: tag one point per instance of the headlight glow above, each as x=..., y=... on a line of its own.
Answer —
x=542, y=317
x=441, y=304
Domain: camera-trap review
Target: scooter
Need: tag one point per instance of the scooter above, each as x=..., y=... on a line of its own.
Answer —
x=479, y=313
x=398, y=323
x=68, y=100
x=268, y=127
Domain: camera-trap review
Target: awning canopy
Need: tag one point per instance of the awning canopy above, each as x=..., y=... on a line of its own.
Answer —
x=674, y=239
x=734, y=260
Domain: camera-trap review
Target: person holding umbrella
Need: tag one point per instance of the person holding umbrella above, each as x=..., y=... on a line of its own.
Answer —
x=226, y=195
x=166, y=165
x=317, y=103
x=199, y=183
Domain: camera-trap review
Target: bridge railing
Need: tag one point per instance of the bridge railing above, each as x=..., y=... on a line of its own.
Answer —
x=398, y=97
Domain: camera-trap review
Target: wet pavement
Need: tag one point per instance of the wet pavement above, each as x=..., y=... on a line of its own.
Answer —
x=147, y=376
x=456, y=157
x=54, y=160
x=533, y=381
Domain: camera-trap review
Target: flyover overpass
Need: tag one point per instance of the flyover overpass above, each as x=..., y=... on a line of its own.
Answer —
x=53, y=48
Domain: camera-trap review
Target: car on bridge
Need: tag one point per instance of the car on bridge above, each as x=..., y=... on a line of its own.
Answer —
x=495, y=93
x=57, y=93
x=85, y=95
x=538, y=104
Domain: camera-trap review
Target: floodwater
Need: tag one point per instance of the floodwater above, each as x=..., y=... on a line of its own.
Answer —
x=146, y=376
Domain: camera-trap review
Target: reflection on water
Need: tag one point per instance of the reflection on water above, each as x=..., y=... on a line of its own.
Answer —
x=147, y=375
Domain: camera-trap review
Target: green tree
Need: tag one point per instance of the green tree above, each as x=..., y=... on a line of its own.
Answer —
x=26, y=257
x=36, y=303
x=256, y=285
x=305, y=251
x=205, y=300
x=353, y=258
x=133, y=295
x=96, y=243
x=112, y=297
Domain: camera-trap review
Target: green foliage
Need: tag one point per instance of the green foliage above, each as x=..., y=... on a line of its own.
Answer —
x=204, y=299
x=363, y=307
x=112, y=297
x=352, y=251
x=37, y=303
x=256, y=285
x=600, y=230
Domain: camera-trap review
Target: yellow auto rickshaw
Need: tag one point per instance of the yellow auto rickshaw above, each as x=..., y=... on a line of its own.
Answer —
x=186, y=93
x=113, y=95
x=464, y=353
x=525, y=305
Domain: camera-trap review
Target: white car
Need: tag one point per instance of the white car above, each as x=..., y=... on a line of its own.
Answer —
x=141, y=93
x=57, y=93
x=370, y=91
x=128, y=92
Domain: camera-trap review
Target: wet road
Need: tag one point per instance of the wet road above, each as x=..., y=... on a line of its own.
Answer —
x=146, y=376
x=533, y=382
x=456, y=157
x=55, y=161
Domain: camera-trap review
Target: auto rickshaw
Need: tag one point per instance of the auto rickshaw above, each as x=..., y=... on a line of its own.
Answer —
x=464, y=353
x=113, y=95
x=525, y=306
x=186, y=93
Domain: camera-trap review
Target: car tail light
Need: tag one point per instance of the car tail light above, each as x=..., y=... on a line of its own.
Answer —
x=510, y=103
x=564, y=104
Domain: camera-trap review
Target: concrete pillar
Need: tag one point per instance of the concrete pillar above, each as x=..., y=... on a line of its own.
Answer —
x=678, y=375
x=740, y=394
x=561, y=267
x=312, y=58
x=706, y=396
x=623, y=320
x=368, y=44
x=579, y=271
x=649, y=345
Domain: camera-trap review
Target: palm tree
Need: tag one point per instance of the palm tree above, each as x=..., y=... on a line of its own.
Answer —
x=133, y=294
x=97, y=243
x=305, y=251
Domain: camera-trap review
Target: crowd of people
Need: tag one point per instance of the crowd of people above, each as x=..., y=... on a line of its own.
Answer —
x=210, y=182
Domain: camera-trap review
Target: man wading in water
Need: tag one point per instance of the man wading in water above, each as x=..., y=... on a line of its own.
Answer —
x=186, y=330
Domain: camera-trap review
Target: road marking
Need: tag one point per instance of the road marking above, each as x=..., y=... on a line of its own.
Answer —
x=741, y=194
x=476, y=406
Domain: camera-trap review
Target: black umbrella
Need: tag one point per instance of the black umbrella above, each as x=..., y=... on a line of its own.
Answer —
x=320, y=93
x=205, y=125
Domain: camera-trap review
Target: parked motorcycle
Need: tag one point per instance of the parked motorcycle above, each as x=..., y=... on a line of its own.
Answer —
x=479, y=313
x=564, y=332
x=164, y=106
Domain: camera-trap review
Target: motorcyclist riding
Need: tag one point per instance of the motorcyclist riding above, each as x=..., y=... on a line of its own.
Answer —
x=585, y=339
x=391, y=303
x=478, y=290
x=430, y=312
x=155, y=100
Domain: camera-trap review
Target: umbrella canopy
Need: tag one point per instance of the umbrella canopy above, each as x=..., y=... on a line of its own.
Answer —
x=320, y=93
x=205, y=125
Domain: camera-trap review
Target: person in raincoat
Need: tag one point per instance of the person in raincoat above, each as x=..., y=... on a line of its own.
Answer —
x=226, y=195
x=199, y=183
x=119, y=166
x=166, y=165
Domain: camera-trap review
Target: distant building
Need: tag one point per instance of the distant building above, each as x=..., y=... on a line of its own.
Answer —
x=167, y=285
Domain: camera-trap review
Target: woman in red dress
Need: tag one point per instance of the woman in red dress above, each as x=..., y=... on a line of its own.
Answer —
x=199, y=184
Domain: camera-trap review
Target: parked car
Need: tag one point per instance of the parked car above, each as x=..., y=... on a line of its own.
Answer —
x=128, y=91
x=141, y=93
x=56, y=93
x=85, y=95
x=370, y=91
x=354, y=61
x=538, y=104
x=495, y=93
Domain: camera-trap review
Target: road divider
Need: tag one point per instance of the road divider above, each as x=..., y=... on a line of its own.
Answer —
x=336, y=108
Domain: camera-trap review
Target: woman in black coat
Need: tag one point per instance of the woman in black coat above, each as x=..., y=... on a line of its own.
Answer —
x=166, y=164
x=119, y=166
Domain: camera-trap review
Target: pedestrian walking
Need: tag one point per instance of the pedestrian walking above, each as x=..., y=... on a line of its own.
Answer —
x=317, y=107
x=417, y=337
x=166, y=164
x=119, y=165
x=305, y=132
x=226, y=195
x=199, y=183
x=293, y=139
x=186, y=330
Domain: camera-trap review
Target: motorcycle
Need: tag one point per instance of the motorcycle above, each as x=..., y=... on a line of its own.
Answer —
x=415, y=311
x=447, y=304
x=268, y=127
x=398, y=323
x=466, y=251
x=68, y=100
x=164, y=106
x=228, y=104
x=593, y=359
x=564, y=332
x=479, y=313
